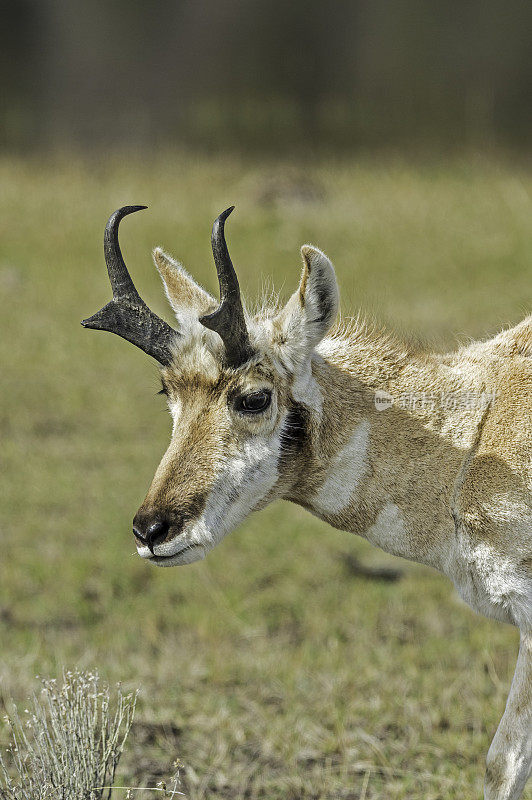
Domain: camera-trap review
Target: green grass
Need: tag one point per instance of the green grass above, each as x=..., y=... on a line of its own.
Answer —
x=268, y=669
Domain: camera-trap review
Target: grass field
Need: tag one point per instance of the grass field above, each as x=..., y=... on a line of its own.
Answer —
x=269, y=669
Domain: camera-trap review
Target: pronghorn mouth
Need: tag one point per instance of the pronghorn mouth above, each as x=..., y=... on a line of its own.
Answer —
x=177, y=558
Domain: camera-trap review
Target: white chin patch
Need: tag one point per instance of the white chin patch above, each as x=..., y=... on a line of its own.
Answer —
x=188, y=556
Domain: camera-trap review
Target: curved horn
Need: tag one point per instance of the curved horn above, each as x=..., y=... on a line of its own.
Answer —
x=228, y=320
x=127, y=314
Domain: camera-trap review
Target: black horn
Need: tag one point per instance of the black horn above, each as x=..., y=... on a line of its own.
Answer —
x=228, y=320
x=127, y=314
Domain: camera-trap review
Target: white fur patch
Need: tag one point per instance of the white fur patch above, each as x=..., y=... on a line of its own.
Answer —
x=198, y=350
x=345, y=473
x=242, y=483
x=175, y=407
x=492, y=582
x=389, y=532
x=305, y=389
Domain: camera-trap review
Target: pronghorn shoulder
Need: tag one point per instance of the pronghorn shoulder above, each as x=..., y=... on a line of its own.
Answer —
x=510, y=343
x=516, y=341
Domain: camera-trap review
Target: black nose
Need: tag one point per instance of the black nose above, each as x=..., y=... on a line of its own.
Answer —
x=151, y=531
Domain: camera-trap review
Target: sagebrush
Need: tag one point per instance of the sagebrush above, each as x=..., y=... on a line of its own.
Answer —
x=69, y=742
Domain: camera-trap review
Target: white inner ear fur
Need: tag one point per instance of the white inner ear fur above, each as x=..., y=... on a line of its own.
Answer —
x=311, y=310
x=187, y=298
x=319, y=293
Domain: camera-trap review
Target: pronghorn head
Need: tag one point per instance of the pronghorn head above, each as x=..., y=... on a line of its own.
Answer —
x=239, y=388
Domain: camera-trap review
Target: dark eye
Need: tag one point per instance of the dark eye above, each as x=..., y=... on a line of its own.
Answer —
x=255, y=402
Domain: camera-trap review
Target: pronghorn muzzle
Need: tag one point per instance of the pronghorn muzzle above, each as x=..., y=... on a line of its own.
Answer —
x=153, y=528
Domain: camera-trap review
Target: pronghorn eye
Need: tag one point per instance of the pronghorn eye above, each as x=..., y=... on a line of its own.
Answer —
x=255, y=402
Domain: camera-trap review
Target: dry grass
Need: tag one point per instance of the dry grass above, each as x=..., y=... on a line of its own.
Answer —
x=69, y=742
x=270, y=669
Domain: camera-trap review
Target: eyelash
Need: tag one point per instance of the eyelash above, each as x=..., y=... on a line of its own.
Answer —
x=240, y=404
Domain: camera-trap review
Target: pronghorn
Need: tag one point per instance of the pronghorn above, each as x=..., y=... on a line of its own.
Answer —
x=426, y=455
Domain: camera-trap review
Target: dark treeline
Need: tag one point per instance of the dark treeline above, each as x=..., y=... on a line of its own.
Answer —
x=251, y=73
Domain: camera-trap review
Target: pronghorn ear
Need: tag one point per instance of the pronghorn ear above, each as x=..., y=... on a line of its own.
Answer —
x=312, y=309
x=184, y=294
x=318, y=293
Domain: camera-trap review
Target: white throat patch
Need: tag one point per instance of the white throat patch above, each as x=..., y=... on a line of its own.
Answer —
x=346, y=471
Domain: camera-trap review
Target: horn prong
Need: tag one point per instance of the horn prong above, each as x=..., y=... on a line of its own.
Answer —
x=127, y=314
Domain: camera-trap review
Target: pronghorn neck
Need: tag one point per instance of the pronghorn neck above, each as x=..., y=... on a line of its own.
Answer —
x=338, y=399
x=382, y=473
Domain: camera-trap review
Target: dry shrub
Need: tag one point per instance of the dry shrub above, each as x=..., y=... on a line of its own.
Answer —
x=69, y=744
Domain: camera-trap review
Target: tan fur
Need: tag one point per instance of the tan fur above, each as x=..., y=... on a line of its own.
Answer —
x=182, y=292
x=445, y=479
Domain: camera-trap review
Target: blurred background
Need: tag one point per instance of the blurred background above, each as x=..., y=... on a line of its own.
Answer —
x=395, y=136
x=266, y=75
